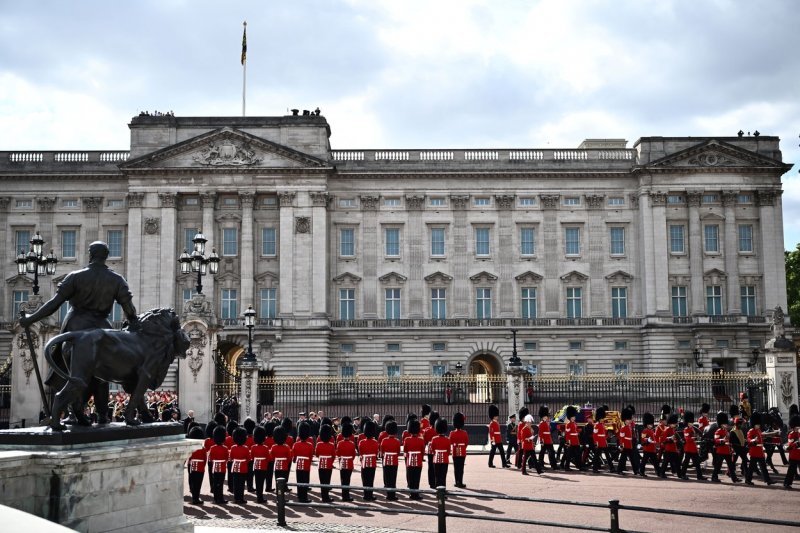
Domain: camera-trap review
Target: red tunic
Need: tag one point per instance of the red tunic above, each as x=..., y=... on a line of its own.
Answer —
x=668, y=438
x=218, y=457
x=240, y=455
x=414, y=447
x=197, y=461
x=261, y=457
x=544, y=433
x=793, y=445
x=526, y=437
x=702, y=422
x=368, y=451
x=600, y=435
x=572, y=436
x=440, y=446
x=302, y=452
x=346, y=452
x=660, y=429
x=755, y=441
x=424, y=424
x=459, y=440
x=648, y=440
x=689, y=442
x=282, y=456
x=208, y=443
x=390, y=451
x=382, y=436
x=340, y=438
x=720, y=437
x=229, y=442
x=626, y=437
x=427, y=436
x=290, y=441
x=494, y=432
x=326, y=453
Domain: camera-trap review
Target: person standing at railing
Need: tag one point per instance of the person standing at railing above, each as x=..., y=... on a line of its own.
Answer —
x=440, y=448
x=459, y=440
x=390, y=454
x=302, y=453
x=368, y=452
x=414, y=448
x=495, y=437
x=546, y=438
x=346, y=453
x=326, y=453
x=261, y=459
x=793, y=445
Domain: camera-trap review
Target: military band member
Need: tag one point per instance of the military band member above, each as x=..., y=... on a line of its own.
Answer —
x=346, y=453
x=546, y=438
x=459, y=440
x=626, y=443
x=528, y=446
x=281, y=454
x=261, y=459
x=368, y=452
x=511, y=436
x=722, y=449
x=424, y=421
x=739, y=443
x=572, y=436
x=414, y=448
x=440, y=448
x=390, y=455
x=326, y=453
x=691, y=452
x=218, y=461
x=495, y=437
x=302, y=454
x=755, y=442
x=793, y=445
x=196, y=466
x=600, y=436
x=669, y=444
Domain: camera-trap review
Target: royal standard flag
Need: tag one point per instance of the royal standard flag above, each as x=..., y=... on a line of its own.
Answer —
x=244, y=45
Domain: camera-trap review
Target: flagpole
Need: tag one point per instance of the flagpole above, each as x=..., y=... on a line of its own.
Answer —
x=244, y=67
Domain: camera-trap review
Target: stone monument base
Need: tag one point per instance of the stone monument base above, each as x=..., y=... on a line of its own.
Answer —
x=128, y=484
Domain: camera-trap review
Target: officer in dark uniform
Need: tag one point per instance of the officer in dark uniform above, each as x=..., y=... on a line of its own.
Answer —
x=91, y=293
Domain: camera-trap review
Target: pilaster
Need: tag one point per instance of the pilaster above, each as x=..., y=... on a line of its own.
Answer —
x=693, y=199
x=416, y=238
x=370, y=246
x=550, y=231
x=731, y=253
x=133, y=260
x=168, y=238
x=461, y=285
x=661, y=259
x=287, y=250
x=319, y=239
x=248, y=246
x=506, y=254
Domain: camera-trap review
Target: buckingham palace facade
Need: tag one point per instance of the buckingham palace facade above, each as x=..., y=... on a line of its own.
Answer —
x=667, y=256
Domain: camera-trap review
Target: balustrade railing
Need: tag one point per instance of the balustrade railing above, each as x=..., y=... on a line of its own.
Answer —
x=62, y=157
x=485, y=155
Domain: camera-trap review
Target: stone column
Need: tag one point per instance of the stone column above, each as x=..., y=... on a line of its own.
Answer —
x=417, y=241
x=370, y=249
x=506, y=255
x=781, y=363
x=209, y=230
x=772, y=256
x=697, y=297
x=461, y=286
x=248, y=389
x=196, y=370
x=731, y=254
x=248, y=264
x=648, y=261
x=661, y=259
x=7, y=254
x=597, y=237
x=168, y=265
x=552, y=254
x=133, y=261
x=286, y=293
x=319, y=239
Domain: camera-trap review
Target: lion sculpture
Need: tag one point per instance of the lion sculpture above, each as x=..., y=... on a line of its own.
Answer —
x=138, y=360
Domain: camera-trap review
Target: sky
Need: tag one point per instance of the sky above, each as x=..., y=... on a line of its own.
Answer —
x=409, y=74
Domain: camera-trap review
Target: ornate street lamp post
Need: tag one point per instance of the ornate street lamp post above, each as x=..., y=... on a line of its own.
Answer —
x=198, y=262
x=35, y=262
x=250, y=323
x=515, y=360
x=698, y=356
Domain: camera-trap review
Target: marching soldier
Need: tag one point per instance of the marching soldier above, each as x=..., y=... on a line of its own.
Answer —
x=626, y=439
x=546, y=438
x=528, y=446
x=691, y=452
x=600, y=436
x=722, y=448
x=390, y=453
x=573, y=452
x=793, y=445
x=495, y=438
x=425, y=422
x=669, y=441
x=414, y=448
x=523, y=412
x=511, y=436
x=755, y=441
x=440, y=448
x=459, y=441
x=739, y=443
x=325, y=452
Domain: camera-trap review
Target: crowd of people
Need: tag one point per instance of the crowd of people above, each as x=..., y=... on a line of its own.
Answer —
x=253, y=456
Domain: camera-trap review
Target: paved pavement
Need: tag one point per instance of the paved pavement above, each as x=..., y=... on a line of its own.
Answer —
x=486, y=486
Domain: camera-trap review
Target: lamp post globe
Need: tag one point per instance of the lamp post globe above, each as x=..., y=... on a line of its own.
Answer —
x=250, y=323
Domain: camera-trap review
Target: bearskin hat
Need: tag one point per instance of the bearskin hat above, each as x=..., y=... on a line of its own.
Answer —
x=600, y=413
x=249, y=425
x=426, y=410
x=239, y=436
x=391, y=427
x=325, y=421
x=665, y=410
x=269, y=427
x=232, y=425
x=733, y=410
x=220, y=419
x=793, y=410
x=259, y=435
x=571, y=411
x=722, y=418
x=688, y=417
x=196, y=433
x=325, y=432
x=441, y=426
x=632, y=409
x=544, y=411
x=493, y=411
x=705, y=409
x=287, y=425
x=347, y=430
x=794, y=422
x=219, y=435
x=210, y=427
x=755, y=419
x=522, y=413
x=279, y=435
x=648, y=419
x=458, y=420
x=345, y=421
x=433, y=417
x=371, y=429
x=410, y=417
x=386, y=419
x=673, y=419
x=626, y=414
x=303, y=431
x=413, y=426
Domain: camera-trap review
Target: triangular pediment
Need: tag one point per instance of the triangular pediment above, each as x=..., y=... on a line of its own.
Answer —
x=714, y=154
x=266, y=276
x=620, y=275
x=483, y=277
x=714, y=276
x=346, y=277
x=392, y=277
x=18, y=280
x=529, y=277
x=226, y=148
x=438, y=277
x=574, y=276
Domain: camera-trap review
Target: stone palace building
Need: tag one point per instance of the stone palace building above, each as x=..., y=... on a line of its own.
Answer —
x=667, y=256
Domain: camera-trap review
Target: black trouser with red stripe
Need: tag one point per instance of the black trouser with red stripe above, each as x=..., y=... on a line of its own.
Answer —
x=458, y=469
x=302, y=476
x=195, y=483
x=368, y=480
x=551, y=455
x=344, y=475
x=440, y=470
x=412, y=478
x=325, y=479
x=260, y=476
x=390, y=480
x=688, y=456
x=496, y=447
x=268, y=476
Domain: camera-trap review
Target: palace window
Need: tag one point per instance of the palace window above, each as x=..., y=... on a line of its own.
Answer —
x=713, y=300
x=616, y=200
x=675, y=199
x=748, y=293
x=676, y=239
x=347, y=371
x=528, y=298
x=438, y=202
x=576, y=369
x=529, y=346
x=188, y=235
x=391, y=202
x=744, y=198
x=347, y=244
x=20, y=297
x=483, y=303
x=482, y=201
x=69, y=243
x=392, y=241
x=527, y=241
x=347, y=304
x=572, y=200
x=679, y=307
x=230, y=241
x=268, y=242
x=438, y=370
x=572, y=241
x=114, y=240
x=745, y=238
x=439, y=346
x=393, y=371
x=710, y=198
x=617, y=238
x=347, y=202
x=230, y=304
x=22, y=239
x=437, y=242
x=482, y=247
x=619, y=302
x=711, y=234
x=574, y=302
x=392, y=297
x=268, y=303
x=527, y=201
x=438, y=304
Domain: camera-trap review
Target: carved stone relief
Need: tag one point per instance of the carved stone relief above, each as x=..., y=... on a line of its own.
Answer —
x=152, y=225
x=302, y=224
x=227, y=152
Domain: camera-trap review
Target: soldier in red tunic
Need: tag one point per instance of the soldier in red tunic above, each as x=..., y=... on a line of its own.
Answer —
x=424, y=421
x=269, y=429
x=346, y=421
x=409, y=418
x=240, y=460
x=218, y=461
x=600, y=436
x=249, y=425
x=722, y=449
x=281, y=454
x=691, y=452
x=459, y=440
x=793, y=445
x=649, y=445
x=368, y=452
x=546, y=438
x=207, y=444
x=229, y=429
x=755, y=443
x=573, y=453
x=523, y=412
x=326, y=453
x=346, y=452
x=669, y=440
x=702, y=420
x=390, y=454
x=626, y=443
x=196, y=466
x=495, y=437
x=414, y=449
x=427, y=435
x=528, y=445
x=440, y=448
x=261, y=459
x=302, y=454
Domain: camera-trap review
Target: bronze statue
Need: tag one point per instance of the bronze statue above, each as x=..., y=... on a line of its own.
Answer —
x=91, y=293
x=138, y=360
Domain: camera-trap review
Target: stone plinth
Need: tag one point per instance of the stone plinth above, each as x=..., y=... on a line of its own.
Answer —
x=516, y=387
x=248, y=388
x=127, y=485
x=781, y=366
